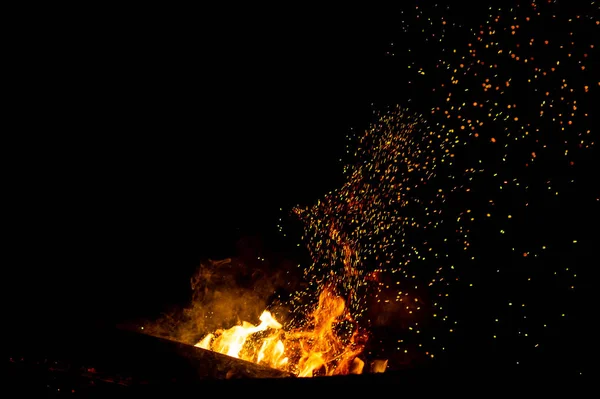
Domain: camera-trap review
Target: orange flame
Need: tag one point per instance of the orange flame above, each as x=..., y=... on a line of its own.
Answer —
x=316, y=349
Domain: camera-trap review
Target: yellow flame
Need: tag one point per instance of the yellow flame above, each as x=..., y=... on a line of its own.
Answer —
x=314, y=350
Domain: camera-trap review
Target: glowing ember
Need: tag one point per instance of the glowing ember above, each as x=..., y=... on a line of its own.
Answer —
x=318, y=348
x=430, y=231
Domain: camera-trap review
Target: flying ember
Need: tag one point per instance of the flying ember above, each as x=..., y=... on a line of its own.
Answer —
x=452, y=213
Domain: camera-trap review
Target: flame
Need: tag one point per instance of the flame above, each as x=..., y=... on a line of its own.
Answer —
x=318, y=348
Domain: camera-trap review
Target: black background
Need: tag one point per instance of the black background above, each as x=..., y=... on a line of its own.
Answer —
x=149, y=140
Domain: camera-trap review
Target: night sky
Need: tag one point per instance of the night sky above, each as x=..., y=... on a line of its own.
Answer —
x=159, y=139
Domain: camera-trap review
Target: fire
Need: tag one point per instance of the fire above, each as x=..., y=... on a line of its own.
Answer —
x=232, y=342
x=318, y=348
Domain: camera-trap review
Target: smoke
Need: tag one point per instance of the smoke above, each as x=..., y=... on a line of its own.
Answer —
x=224, y=293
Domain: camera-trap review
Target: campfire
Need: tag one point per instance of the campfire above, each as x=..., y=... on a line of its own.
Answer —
x=233, y=311
x=318, y=348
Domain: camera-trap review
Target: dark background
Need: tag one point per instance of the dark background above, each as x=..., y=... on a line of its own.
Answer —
x=149, y=140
